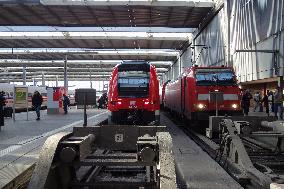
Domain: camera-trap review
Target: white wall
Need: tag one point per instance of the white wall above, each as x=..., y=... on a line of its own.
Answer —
x=254, y=25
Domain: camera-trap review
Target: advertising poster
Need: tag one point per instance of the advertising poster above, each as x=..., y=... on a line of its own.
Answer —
x=20, y=100
x=21, y=96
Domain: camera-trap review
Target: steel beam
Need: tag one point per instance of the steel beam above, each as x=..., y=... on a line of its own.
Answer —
x=70, y=71
x=96, y=36
x=94, y=29
x=93, y=52
x=259, y=51
x=56, y=63
x=152, y=3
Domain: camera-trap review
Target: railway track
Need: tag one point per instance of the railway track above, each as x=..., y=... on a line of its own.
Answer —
x=260, y=166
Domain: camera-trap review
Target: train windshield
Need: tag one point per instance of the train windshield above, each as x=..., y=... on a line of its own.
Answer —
x=133, y=84
x=209, y=77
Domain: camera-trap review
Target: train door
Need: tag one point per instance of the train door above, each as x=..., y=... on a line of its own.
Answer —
x=187, y=98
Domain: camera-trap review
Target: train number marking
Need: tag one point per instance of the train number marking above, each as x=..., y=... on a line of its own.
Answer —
x=118, y=137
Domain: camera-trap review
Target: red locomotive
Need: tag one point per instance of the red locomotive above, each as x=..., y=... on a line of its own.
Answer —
x=189, y=95
x=133, y=96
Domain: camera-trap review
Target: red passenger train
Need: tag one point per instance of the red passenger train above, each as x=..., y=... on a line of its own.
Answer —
x=133, y=96
x=189, y=96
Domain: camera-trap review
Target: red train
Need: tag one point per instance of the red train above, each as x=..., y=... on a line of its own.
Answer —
x=133, y=96
x=189, y=95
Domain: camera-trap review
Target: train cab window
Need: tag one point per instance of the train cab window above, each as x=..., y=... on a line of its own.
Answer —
x=220, y=77
x=133, y=84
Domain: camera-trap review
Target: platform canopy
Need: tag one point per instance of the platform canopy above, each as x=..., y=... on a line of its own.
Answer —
x=91, y=33
x=113, y=13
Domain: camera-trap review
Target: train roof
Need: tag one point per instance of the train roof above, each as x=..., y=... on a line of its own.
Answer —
x=134, y=66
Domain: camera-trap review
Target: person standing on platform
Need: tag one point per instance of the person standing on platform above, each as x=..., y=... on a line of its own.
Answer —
x=246, y=102
x=2, y=104
x=257, y=99
x=37, y=101
x=271, y=100
x=278, y=103
x=265, y=102
x=66, y=103
x=102, y=101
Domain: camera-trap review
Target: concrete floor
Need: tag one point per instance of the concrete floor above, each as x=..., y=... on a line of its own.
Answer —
x=21, y=129
x=195, y=168
x=21, y=141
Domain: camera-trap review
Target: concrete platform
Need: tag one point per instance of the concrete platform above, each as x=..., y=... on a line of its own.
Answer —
x=21, y=141
x=195, y=168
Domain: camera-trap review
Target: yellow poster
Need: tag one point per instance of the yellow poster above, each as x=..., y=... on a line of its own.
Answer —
x=21, y=96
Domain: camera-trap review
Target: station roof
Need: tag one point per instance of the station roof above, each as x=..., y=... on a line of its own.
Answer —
x=41, y=33
x=147, y=13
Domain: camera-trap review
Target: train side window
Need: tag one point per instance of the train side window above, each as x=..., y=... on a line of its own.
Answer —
x=44, y=94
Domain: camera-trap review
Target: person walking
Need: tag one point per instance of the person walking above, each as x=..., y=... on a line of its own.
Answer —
x=2, y=104
x=256, y=99
x=278, y=103
x=246, y=102
x=265, y=102
x=102, y=101
x=36, y=102
x=66, y=103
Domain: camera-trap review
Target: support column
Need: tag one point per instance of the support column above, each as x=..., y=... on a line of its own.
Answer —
x=227, y=5
x=173, y=72
x=180, y=71
x=56, y=81
x=103, y=86
x=65, y=74
x=280, y=83
x=194, y=61
x=34, y=82
x=42, y=79
x=24, y=75
x=91, y=84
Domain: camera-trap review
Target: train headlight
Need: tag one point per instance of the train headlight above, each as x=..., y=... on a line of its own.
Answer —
x=200, y=106
x=235, y=106
x=119, y=103
x=146, y=102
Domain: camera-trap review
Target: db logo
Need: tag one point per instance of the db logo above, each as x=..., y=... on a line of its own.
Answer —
x=118, y=137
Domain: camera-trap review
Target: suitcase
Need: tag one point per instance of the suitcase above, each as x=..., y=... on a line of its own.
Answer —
x=8, y=112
